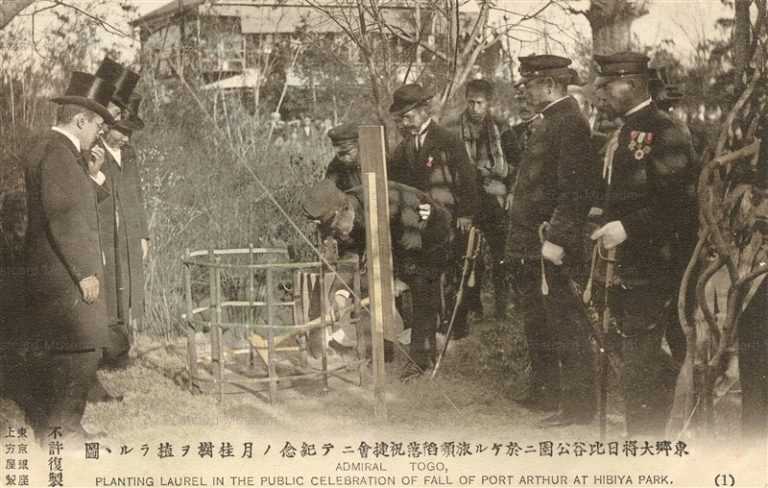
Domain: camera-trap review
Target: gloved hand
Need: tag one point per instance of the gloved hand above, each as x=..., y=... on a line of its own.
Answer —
x=425, y=210
x=612, y=233
x=553, y=253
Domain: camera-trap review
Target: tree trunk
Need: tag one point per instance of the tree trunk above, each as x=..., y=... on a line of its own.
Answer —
x=10, y=8
x=611, y=23
x=613, y=37
x=741, y=35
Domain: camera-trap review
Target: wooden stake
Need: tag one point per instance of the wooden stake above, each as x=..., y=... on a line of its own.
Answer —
x=379, y=250
x=191, y=337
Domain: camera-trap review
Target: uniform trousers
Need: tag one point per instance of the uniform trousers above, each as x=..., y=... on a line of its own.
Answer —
x=643, y=318
x=558, y=339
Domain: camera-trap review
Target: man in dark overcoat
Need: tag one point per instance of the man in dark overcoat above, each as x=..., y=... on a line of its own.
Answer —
x=421, y=231
x=123, y=223
x=648, y=215
x=554, y=182
x=65, y=321
x=433, y=159
x=124, y=234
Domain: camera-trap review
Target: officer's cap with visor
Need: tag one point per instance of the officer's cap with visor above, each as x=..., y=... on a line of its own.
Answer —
x=544, y=66
x=616, y=66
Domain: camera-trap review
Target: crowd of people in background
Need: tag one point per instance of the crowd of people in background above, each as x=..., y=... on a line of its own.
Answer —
x=585, y=195
x=563, y=183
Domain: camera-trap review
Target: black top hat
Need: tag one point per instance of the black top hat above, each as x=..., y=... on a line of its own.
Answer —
x=123, y=78
x=130, y=120
x=544, y=65
x=88, y=91
x=408, y=97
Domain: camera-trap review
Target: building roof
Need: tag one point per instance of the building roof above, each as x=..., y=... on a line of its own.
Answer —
x=260, y=16
x=171, y=8
x=247, y=79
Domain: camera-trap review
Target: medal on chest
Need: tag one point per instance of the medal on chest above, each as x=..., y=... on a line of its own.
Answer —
x=640, y=144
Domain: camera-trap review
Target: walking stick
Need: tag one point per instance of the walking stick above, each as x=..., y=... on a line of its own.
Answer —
x=473, y=247
x=610, y=259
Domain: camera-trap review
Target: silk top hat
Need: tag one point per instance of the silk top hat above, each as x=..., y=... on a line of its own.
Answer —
x=130, y=120
x=343, y=133
x=123, y=78
x=408, y=97
x=323, y=200
x=88, y=91
x=543, y=66
x=619, y=65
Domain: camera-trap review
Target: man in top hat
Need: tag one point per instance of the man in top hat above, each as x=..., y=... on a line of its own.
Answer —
x=493, y=151
x=648, y=214
x=434, y=160
x=124, y=235
x=421, y=231
x=549, y=204
x=124, y=80
x=344, y=170
x=66, y=318
x=123, y=226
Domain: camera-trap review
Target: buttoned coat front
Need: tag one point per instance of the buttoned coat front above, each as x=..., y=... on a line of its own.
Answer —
x=62, y=248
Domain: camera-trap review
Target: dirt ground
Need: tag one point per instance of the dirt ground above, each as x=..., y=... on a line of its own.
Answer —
x=466, y=397
x=462, y=398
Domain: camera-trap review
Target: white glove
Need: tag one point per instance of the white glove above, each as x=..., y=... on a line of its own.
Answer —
x=425, y=210
x=612, y=233
x=553, y=253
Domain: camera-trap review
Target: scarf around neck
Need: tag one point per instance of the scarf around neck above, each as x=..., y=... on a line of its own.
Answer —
x=471, y=133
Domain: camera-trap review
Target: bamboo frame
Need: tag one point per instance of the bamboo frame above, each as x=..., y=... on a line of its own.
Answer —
x=212, y=261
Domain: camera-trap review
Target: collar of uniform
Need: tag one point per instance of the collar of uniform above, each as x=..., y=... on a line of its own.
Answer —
x=74, y=140
x=639, y=107
x=117, y=154
x=552, y=104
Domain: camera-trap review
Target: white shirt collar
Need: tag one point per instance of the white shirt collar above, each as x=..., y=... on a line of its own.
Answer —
x=552, y=104
x=423, y=131
x=639, y=107
x=116, y=153
x=68, y=135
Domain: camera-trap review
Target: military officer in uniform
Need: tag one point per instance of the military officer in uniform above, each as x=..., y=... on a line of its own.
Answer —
x=432, y=159
x=554, y=182
x=344, y=170
x=421, y=232
x=492, y=150
x=648, y=212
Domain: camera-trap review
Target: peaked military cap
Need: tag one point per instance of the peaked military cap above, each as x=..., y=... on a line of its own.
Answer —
x=408, y=97
x=622, y=64
x=343, y=133
x=543, y=65
x=669, y=96
x=323, y=200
